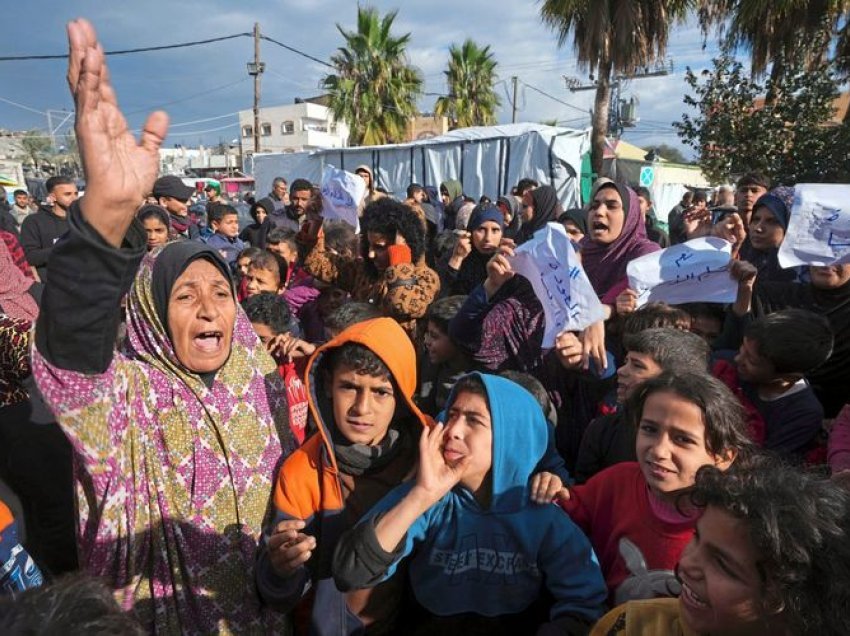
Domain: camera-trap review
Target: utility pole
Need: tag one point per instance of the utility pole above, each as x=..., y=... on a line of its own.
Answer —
x=513, y=101
x=256, y=68
x=616, y=121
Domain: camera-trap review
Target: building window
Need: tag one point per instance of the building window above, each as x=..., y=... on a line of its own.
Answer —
x=266, y=130
x=287, y=128
x=247, y=131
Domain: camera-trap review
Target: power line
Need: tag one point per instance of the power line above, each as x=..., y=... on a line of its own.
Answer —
x=18, y=58
x=32, y=110
x=560, y=101
x=296, y=51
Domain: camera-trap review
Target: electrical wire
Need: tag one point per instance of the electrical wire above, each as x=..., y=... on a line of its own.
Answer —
x=32, y=110
x=545, y=94
x=294, y=50
x=19, y=58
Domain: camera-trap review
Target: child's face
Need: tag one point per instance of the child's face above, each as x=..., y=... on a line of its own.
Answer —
x=469, y=433
x=706, y=327
x=752, y=367
x=242, y=264
x=439, y=346
x=263, y=331
x=283, y=250
x=363, y=405
x=156, y=231
x=228, y=226
x=722, y=591
x=671, y=445
x=261, y=280
x=637, y=368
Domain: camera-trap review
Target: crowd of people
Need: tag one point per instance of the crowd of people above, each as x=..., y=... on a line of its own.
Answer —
x=294, y=427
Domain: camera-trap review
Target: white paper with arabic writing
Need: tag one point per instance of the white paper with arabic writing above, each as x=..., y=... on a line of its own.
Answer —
x=550, y=264
x=341, y=194
x=819, y=229
x=694, y=271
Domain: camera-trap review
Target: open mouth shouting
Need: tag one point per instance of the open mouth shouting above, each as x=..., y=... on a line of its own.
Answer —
x=208, y=341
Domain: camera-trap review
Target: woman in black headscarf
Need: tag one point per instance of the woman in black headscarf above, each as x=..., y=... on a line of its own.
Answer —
x=539, y=207
x=257, y=233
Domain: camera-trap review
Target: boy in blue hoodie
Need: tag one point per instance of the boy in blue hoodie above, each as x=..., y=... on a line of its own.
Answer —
x=483, y=556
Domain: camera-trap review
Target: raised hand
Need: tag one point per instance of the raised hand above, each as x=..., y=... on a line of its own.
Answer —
x=436, y=477
x=463, y=248
x=569, y=350
x=626, y=302
x=119, y=170
x=499, y=270
x=593, y=347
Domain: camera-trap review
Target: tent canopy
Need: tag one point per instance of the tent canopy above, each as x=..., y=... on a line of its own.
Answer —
x=487, y=160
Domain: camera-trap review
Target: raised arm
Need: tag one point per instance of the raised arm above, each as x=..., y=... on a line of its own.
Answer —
x=89, y=271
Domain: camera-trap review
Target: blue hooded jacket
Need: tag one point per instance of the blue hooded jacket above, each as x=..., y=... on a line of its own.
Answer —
x=489, y=561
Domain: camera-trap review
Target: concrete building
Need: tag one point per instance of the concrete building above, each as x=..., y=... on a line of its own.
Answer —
x=304, y=125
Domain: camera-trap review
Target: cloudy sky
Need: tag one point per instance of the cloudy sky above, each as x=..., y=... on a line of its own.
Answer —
x=203, y=87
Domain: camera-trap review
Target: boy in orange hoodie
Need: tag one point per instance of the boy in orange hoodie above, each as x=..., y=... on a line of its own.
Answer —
x=360, y=388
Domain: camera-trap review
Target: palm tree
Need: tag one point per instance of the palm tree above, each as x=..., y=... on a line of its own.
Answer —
x=776, y=31
x=374, y=89
x=470, y=75
x=612, y=38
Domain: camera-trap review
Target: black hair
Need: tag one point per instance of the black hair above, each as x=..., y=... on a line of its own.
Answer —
x=349, y=314
x=76, y=604
x=643, y=192
x=753, y=178
x=52, y=182
x=269, y=309
x=470, y=383
x=671, y=349
x=358, y=358
x=536, y=388
x=340, y=237
x=653, y=315
x=154, y=212
x=270, y=262
x=723, y=416
x=794, y=341
x=282, y=235
x=299, y=185
x=17, y=192
x=700, y=196
x=799, y=526
x=413, y=188
x=688, y=197
x=390, y=217
x=441, y=311
x=249, y=252
x=715, y=311
x=216, y=213
x=525, y=184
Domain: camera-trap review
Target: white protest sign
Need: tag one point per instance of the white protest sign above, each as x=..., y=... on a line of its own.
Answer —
x=341, y=194
x=550, y=264
x=819, y=228
x=694, y=271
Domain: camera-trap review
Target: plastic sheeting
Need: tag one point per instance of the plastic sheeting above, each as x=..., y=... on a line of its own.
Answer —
x=486, y=160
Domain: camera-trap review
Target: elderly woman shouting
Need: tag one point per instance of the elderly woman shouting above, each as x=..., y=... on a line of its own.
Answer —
x=177, y=435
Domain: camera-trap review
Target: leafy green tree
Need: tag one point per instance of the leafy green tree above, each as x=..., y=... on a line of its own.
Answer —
x=470, y=76
x=791, y=139
x=613, y=38
x=374, y=89
x=36, y=146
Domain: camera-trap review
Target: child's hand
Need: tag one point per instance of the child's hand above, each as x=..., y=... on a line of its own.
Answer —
x=593, y=346
x=289, y=549
x=546, y=487
x=626, y=302
x=286, y=347
x=731, y=227
x=436, y=476
x=569, y=350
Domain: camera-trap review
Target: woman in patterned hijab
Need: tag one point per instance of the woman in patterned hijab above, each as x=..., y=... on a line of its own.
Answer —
x=177, y=435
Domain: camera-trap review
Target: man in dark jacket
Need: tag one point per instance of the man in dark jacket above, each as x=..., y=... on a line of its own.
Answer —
x=41, y=230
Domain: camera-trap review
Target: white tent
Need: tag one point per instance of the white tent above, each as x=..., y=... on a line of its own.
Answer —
x=486, y=160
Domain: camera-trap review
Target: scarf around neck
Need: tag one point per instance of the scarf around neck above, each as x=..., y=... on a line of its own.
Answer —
x=358, y=459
